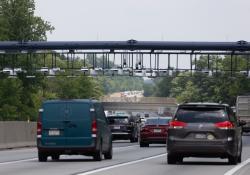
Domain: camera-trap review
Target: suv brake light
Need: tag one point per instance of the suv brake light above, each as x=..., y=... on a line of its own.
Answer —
x=94, y=128
x=224, y=125
x=177, y=124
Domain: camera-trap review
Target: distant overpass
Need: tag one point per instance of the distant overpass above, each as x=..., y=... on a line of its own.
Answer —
x=143, y=104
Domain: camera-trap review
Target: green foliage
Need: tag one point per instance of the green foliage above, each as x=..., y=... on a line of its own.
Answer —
x=222, y=87
x=119, y=83
x=20, y=24
x=73, y=88
x=148, y=89
x=10, y=102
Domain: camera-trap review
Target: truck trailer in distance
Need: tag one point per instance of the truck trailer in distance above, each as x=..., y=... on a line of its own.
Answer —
x=243, y=111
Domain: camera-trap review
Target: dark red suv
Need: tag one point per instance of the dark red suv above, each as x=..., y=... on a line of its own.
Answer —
x=154, y=131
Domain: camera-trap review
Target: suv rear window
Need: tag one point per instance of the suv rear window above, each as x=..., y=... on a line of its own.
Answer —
x=117, y=120
x=201, y=115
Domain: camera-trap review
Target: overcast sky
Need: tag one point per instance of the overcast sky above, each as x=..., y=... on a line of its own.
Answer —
x=168, y=20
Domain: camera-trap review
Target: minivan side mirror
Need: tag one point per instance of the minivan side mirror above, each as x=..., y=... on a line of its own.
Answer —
x=242, y=122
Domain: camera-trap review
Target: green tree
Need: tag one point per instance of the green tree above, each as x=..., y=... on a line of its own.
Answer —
x=10, y=99
x=20, y=23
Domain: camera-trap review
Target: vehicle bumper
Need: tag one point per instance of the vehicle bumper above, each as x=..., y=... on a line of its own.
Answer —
x=201, y=148
x=154, y=139
x=246, y=128
x=121, y=135
x=68, y=150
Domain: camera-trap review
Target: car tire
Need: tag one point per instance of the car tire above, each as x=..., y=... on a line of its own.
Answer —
x=179, y=159
x=98, y=155
x=239, y=156
x=171, y=159
x=143, y=144
x=109, y=154
x=55, y=157
x=233, y=160
x=136, y=139
x=42, y=157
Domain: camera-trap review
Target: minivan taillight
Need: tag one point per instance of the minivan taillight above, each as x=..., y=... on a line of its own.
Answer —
x=224, y=125
x=94, y=128
x=177, y=124
x=39, y=126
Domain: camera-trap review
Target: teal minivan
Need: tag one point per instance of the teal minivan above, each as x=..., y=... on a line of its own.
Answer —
x=73, y=127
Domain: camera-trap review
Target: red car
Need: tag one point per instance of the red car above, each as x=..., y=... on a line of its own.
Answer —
x=154, y=131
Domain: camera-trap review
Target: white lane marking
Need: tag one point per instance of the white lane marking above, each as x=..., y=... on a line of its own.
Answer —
x=236, y=168
x=125, y=147
x=26, y=160
x=17, y=161
x=121, y=164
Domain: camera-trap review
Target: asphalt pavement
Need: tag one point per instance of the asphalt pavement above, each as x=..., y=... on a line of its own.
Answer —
x=128, y=159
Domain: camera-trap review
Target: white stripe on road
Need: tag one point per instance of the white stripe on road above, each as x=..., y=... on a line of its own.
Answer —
x=236, y=168
x=17, y=161
x=31, y=159
x=121, y=164
x=125, y=147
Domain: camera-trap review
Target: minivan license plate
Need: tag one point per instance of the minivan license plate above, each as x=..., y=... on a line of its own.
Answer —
x=54, y=132
x=200, y=136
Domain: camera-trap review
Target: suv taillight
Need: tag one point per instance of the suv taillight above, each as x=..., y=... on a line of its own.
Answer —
x=224, y=125
x=39, y=126
x=177, y=125
x=94, y=128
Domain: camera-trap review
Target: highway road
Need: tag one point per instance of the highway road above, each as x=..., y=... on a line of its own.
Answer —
x=128, y=159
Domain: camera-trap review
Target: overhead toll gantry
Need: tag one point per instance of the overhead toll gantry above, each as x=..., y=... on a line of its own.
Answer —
x=124, y=58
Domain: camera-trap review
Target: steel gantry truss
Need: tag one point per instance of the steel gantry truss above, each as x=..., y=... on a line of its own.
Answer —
x=129, y=58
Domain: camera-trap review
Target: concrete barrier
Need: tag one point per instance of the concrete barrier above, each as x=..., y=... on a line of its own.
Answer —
x=17, y=134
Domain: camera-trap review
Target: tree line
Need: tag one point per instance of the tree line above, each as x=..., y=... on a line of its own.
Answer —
x=228, y=80
x=21, y=97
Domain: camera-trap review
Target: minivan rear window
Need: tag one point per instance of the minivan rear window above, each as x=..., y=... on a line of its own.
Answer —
x=201, y=115
x=60, y=111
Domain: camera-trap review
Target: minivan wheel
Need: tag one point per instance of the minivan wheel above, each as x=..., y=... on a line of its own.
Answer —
x=109, y=154
x=55, y=157
x=42, y=157
x=239, y=158
x=233, y=160
x=171, y=159
x=179, y=159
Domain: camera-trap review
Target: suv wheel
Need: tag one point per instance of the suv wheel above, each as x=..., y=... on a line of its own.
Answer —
x=42, y=157
x=233, y=160
x=240, y=150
